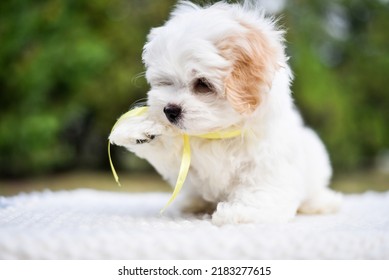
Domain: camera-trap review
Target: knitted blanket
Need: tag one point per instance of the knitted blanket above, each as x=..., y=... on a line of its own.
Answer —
x=87, y=224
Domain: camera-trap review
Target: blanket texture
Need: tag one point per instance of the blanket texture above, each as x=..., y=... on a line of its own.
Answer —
x=87, y=224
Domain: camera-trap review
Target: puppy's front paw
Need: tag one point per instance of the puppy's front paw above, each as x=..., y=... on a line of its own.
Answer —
x=146, y=139
x=135, y=131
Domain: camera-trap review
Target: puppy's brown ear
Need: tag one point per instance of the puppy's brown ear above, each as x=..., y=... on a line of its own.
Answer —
x=254, y=63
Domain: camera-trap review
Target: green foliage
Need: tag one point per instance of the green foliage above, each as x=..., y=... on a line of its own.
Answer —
x=340, y=80
x=69, y=68
x=67, y=71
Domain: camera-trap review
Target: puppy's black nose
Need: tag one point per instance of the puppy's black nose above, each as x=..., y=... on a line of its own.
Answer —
x=173, y=112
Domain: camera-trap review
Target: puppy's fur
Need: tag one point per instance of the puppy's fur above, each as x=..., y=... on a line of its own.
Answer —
x=224, y=67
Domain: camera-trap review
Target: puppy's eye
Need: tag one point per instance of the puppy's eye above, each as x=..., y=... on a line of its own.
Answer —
x=163, y=83
x=202, y=85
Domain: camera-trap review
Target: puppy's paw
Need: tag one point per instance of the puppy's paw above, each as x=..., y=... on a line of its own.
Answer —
x=135, y=131
x=237, y=213
x=147, y=139
x=323, y=202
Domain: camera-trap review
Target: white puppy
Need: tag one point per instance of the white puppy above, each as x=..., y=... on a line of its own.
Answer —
x=219, y=68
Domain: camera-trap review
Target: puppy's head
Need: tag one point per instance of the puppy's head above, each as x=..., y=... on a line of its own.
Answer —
x=211, y=68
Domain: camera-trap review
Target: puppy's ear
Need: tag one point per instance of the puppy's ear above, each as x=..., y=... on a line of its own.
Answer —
x=254, y=62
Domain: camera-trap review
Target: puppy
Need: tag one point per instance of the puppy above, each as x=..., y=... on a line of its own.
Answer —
x=219, y=68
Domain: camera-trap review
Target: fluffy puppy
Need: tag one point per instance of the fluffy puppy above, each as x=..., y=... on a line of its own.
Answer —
x=224, y=67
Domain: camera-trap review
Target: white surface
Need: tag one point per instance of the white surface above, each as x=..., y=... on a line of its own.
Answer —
x=86, y=224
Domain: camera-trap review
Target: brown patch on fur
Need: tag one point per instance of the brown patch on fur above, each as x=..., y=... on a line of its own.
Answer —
x=255, y=62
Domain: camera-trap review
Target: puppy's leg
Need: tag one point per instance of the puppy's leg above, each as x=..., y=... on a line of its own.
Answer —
x=319, y=198
x=150, y=140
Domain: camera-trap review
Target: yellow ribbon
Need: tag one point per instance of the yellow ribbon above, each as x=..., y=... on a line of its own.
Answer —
x=132, y=113
x=184, y=169
x=186, y=152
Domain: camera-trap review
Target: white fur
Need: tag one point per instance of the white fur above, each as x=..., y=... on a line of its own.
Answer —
x=275, y=169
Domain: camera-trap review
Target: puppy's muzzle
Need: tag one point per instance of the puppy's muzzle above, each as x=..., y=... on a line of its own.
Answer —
x=173, y=112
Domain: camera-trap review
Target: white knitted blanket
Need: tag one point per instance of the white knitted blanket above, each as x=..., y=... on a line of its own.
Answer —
x=86, y=224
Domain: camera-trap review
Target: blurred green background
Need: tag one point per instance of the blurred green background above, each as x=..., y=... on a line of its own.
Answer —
x=69, y=68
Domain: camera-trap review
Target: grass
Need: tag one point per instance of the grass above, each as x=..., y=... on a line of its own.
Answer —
x=361, y=181
x=87, y=180
x=347, y=183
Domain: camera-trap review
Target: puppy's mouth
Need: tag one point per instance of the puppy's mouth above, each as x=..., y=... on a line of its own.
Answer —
x=175, y=114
